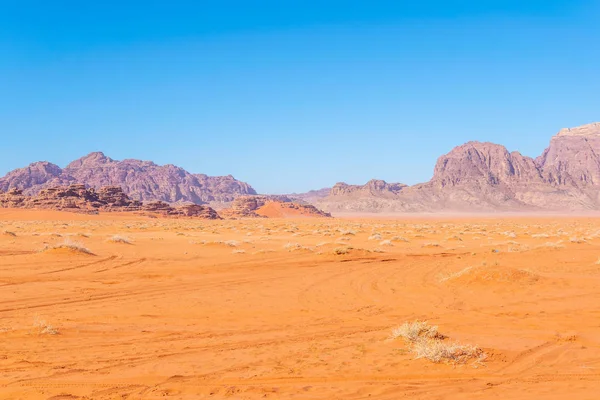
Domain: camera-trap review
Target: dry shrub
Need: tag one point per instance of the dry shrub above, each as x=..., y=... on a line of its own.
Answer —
x=43, y=327
x=375, y=236
x=119, y=239
x=413, y=331
x=341, y=250
x=436, y=351
x=426, y=342
x=71, y=245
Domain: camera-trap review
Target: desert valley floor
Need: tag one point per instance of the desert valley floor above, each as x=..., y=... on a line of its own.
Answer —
x=295, y=308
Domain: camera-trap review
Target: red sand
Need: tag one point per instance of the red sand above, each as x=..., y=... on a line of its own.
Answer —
x=265, y=308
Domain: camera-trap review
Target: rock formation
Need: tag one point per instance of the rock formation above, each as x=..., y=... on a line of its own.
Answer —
x=253, y=207
x=140, y=180
x=487, y=177
x=78, y=198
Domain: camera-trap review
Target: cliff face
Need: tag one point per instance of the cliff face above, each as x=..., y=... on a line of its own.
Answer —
x=140, y=180
x=487, y=177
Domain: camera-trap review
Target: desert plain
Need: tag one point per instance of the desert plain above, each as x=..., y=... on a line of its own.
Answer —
x=119, y=306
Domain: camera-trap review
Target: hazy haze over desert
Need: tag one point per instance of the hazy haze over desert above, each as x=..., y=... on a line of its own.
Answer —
x=299, y=200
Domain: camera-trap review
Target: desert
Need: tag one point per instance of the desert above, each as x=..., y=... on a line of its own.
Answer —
x=306, y=200
x=118, y=305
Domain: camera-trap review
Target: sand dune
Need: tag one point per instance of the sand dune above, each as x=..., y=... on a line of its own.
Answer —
x=295, y=308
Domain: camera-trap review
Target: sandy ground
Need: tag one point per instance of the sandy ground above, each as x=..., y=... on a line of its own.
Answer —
x=266, y=308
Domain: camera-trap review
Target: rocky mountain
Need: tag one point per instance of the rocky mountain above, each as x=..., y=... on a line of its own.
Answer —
x=78, y=198
x=311, y=196
x=487, y=177
x=140, y=180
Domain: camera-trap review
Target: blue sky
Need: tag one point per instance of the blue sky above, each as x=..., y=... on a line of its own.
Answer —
x=292, y=95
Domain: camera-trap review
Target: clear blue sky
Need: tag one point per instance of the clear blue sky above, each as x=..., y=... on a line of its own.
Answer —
x=292, y=95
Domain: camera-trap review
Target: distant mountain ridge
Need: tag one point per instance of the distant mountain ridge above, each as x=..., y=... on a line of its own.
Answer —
x=474, y=176
x=487, y=177
x=140, y=180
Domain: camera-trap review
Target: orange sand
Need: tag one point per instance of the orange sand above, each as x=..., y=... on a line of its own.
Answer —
x=282, y=210
x=265, y=308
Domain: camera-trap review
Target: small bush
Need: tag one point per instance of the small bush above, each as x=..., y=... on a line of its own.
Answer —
x=71, y=245
x=413, y=331
x=120, y=239
x=341, y=250
x=436, y=351
x=43, y=327
x=426, y=342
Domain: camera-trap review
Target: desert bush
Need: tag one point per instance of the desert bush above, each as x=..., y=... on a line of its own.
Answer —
x=69, y=244
x=426, y=342
x=43, y=327
x=413, y=331
x=119, y=239
x=341, y=250
x=436, y=351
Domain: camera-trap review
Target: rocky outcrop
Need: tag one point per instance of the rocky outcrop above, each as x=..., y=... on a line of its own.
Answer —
x=78, y=198
x=140, y=180
x=252, y=207
x=188, y=210
x=73, y=197
x=374, y=187
x=487, y=177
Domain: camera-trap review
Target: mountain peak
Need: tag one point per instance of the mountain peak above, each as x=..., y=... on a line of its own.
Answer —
x=592, y=129
x=94, y=158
